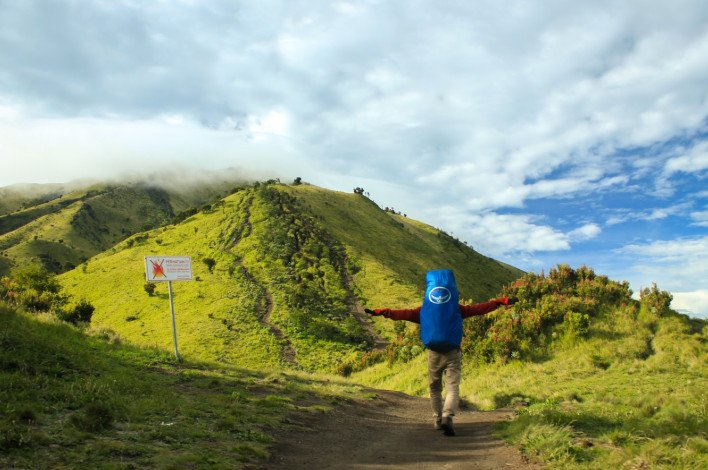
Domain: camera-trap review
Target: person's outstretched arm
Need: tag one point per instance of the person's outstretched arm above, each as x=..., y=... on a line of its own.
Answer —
x=485, y=307
x=407, y=314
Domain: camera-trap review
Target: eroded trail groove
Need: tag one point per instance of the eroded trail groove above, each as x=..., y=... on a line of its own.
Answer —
x=244, y=229
x=357, y=310
x=393, y=431
x=288, y=351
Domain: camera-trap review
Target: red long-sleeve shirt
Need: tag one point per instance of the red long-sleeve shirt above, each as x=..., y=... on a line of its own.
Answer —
x=413, y=314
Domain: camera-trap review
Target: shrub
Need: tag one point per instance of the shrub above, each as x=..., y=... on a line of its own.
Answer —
x=655, y=301
x=37, y=278
x=406, y=346
x=149, y=287
x=576, y=324
x=564, y=302
x=33, y=288
x=210, y=263
x=358, y=363
x=14, y=435
x=81, y=313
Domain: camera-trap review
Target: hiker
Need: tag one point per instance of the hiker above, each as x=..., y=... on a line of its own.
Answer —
x=440, y=318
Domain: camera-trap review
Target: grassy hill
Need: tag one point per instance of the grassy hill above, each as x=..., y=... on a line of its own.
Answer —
x=61, y=227
x=599, y=380
x=71, y=400
x=21, y=196
x=393, y=250
x=289, y=268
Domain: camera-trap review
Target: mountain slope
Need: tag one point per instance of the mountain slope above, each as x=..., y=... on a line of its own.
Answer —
x=393, y=248
x=290, y=268
x=61, y=229
x=21, y=196
x=599, y=380
x=72, y=400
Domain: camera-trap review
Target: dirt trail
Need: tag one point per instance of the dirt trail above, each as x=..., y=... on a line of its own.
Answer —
x=393, y=431
x=357, y=310
x=288, y=353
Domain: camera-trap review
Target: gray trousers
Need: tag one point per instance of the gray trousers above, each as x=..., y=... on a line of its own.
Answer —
x=449, y=364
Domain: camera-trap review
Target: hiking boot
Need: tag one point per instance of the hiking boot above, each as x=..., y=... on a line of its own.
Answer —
x=447, y=428
x=438, y=424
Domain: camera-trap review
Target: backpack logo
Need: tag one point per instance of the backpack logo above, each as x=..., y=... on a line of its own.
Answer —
x=439, y=295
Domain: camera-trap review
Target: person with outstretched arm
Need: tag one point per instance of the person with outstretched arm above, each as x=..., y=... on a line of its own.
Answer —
x=440, y=318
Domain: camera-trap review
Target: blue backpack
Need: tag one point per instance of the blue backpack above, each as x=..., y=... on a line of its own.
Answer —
x=440, y=317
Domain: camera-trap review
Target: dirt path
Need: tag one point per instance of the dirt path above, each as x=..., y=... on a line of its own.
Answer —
x=393, y=431
x=364, y=319
x=288, y=352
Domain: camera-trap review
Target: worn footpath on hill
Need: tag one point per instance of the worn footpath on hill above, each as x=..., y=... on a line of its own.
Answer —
x=393, y=431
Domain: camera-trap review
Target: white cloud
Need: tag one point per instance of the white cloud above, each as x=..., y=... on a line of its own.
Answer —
x=694, y=160
x=673, y=251
x=664, y=212
x=522, y=103
x=586, y=232
x=675, y=265
x=503, y=234
x=681, y=159
x=700, y=218
x=508, y=235
x=60, y=150
x=654, y=214
x=616, y=219
x=693, y=303
x=9, y=113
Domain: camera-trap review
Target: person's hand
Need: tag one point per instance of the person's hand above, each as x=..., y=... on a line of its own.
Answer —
x=378, y=311
x=506, y=300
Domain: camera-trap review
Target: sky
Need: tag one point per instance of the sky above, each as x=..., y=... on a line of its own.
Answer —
x=538, y=132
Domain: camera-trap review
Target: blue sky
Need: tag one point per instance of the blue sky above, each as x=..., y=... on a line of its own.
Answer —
x=540, y=133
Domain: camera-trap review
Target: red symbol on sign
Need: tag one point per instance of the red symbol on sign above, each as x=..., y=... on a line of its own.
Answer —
x=157, y=269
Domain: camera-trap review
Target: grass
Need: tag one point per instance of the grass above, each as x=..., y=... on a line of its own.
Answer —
x=216, y=314
x=597, y=381
x=630, y=396
x=300, y=255
x=72, y=400
x=397, y=251
x=71, y=227
x=18, y=197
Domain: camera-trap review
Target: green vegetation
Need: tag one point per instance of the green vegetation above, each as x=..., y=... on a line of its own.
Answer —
x=391, y=253
x=60, y=229
x=388, y=255
x=278, y=276
x=72, y=400
x=33, y=288
x=22, y=196
x=599, y=380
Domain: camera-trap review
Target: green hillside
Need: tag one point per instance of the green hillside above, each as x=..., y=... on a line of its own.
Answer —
x=61, y=229
x=394, y=250
x=598, y=379
x=21, y=196
x=71, y=400
x=292, y=266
